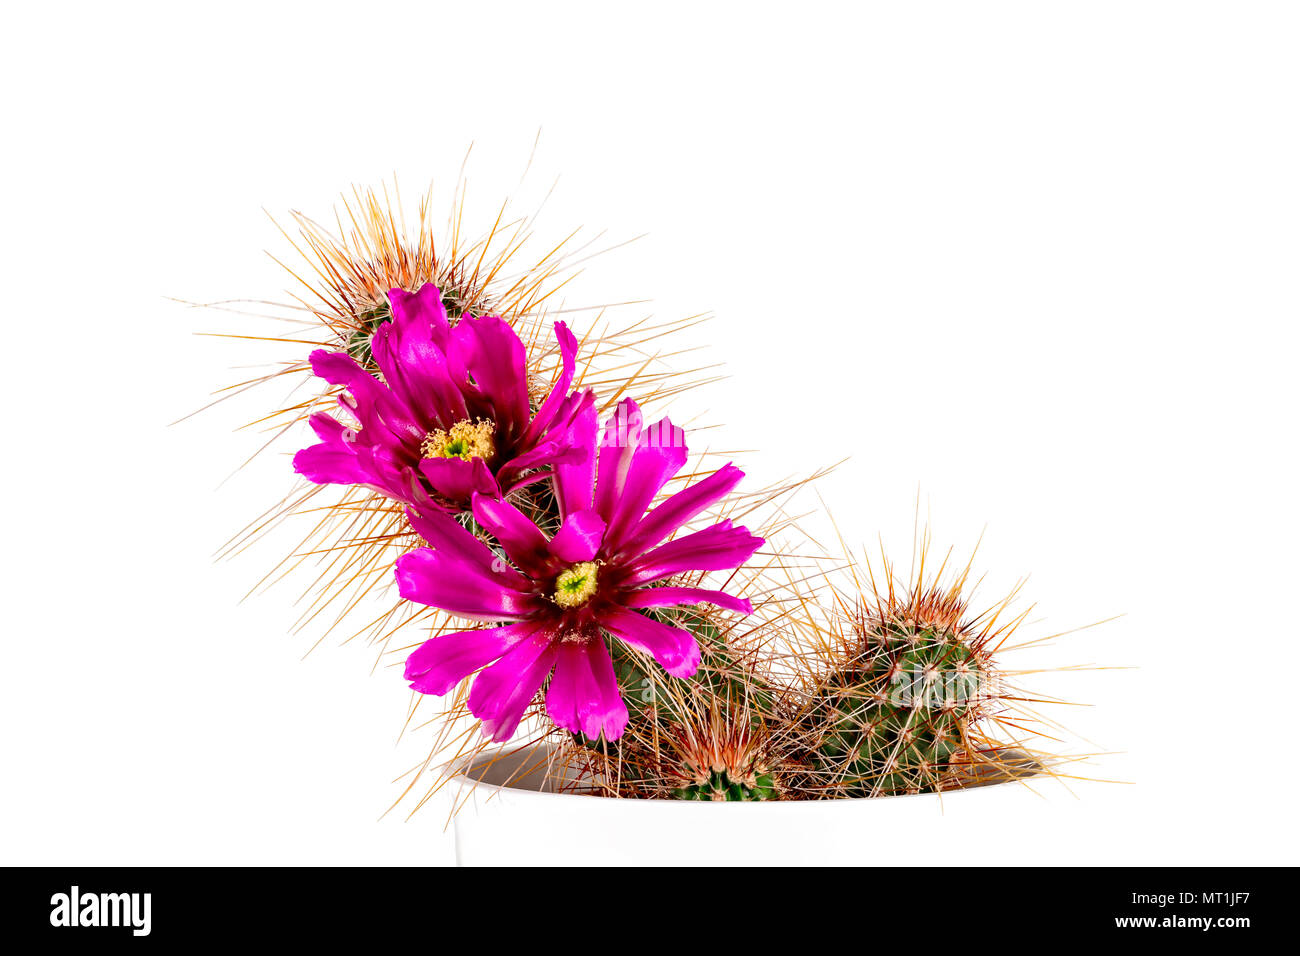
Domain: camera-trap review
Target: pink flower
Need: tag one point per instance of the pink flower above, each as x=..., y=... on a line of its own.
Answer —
x=556, y=600
x=451, y=417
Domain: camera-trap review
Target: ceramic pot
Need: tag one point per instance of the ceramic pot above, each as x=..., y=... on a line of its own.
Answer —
x=510, y=813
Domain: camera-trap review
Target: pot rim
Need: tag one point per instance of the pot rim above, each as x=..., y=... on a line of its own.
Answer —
x=467, y=785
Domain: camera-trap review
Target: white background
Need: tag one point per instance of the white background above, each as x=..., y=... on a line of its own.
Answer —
x=1038, y=260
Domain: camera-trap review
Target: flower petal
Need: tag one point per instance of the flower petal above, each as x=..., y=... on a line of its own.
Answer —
x=673, y=647
x=447, y=535
x=718, y=548
x=503, y=691
x=559, y=391
x=562, y=444
x=332, y=463
x=522, y=540
x=438, y=665
x=547, y=453
x=383, y=417
x=494, y=357
x=668, y=597
x=583, y=696
x=442, y=580
x=328, y=428
x=574, y=482
x=675, y=511
x=660, y=454
x=339, y=368
x=617, y=444
x=578, y=538
x=417, y=370
x=421, y=310
x=457, y=480
x=354, y=463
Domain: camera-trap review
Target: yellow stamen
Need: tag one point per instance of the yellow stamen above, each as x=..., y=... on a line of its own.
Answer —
x=466, y=440
x=575, y=586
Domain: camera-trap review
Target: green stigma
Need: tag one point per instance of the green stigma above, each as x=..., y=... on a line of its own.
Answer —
x=575, y=586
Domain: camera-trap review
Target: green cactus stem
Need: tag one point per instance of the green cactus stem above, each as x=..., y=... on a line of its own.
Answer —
x=892, y=720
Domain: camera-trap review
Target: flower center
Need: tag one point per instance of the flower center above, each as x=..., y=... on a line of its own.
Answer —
x=575, y=586
x=465, y=440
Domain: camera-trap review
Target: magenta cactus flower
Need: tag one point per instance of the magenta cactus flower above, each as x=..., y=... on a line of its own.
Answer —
x=557, y=599
x=451, y=417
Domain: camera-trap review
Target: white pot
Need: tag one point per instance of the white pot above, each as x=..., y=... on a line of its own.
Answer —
x=527, y=823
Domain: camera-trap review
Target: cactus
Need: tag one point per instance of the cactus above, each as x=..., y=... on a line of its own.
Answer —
x=358, y=340
x=722, y=753
x=894, y=716
x=729, y=783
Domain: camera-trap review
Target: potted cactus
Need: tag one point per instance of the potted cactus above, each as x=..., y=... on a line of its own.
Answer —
x=610, y=616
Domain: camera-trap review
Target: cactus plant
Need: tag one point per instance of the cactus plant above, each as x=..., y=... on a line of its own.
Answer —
x=719, y=786
x=894, y=715
x=726, y=782
x=724, y=753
